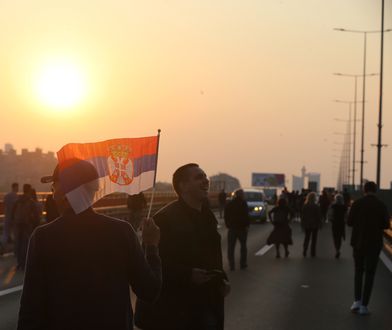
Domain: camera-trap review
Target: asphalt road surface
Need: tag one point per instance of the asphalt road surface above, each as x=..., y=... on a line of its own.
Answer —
x=272, y=294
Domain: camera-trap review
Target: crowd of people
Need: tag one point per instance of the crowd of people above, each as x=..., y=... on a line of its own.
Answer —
x=176, y=268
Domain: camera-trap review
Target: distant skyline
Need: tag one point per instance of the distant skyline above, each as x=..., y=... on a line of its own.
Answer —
x=236, y=86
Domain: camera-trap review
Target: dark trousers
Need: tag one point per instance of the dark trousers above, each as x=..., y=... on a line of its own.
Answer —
x=337, y=237
x=232, y=236
x=365, y=268
x=22, y=236
x=310, y=235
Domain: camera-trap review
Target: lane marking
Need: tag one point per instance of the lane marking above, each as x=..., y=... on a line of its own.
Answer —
x=10, y=276
x=263, y=250
x=11, y=290
x=387, y=262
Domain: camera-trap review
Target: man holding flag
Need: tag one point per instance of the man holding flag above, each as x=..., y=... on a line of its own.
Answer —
x=80, y=266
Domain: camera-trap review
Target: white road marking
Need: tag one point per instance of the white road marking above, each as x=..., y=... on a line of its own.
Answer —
x=263, y=250
x=11, y=290
x=387, y=262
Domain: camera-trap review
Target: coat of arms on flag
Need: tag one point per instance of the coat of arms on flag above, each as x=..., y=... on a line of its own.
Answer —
x=123, y=165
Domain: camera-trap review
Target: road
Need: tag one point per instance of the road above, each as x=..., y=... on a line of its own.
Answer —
x=274, y=294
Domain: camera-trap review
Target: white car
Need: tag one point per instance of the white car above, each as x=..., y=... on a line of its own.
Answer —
x=257, y=205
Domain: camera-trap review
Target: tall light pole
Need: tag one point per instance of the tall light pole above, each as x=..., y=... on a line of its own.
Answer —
x=365, y=32
x=355, y=76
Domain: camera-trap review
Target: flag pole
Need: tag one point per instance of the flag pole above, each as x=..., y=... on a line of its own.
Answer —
x=155, y=177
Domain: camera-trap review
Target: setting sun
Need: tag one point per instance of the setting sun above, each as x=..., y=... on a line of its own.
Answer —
x=60, y=85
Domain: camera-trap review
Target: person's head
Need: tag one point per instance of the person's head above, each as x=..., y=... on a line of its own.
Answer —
x=27, y=189
x=311, y=198
x=190, y=181
x=239, y=194
x=339, y=199
x=15, y=187
x=282, y=202
x=370, y=187
x=69, y=175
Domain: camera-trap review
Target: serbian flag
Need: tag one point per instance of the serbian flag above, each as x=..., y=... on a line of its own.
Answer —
x=122, y=165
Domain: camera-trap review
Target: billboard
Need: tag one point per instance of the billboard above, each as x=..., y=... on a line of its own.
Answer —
x=268, y=180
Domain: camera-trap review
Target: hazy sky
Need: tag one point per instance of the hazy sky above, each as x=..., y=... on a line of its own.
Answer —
x=237, y=86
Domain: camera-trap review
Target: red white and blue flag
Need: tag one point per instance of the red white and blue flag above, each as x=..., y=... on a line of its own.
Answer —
x=123, y=165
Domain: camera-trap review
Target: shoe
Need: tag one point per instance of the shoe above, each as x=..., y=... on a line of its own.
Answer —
x=355, y=306
x=244, y=267
x=287, y=254
x=277, y=256
x=337, y=255
x=304, y=254
x=363, y=310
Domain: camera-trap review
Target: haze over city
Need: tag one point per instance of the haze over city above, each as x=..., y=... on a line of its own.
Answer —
x=236, y=86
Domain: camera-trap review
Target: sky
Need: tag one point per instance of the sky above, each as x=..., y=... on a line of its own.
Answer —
x=236, y=86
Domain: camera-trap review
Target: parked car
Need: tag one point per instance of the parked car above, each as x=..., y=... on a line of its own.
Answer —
x=257, y=205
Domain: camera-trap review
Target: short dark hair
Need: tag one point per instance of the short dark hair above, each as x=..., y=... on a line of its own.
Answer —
x=26, y=188
x=370, y=186
x=181, y=174
x=15, y=185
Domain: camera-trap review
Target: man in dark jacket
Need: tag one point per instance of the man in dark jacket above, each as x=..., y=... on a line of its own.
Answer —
x=80, y=266
x=369, y=218
x=237, y=221
x=194, y=284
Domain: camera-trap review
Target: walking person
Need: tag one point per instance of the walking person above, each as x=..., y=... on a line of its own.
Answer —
x=9, y=202
x=237, y=222
x=368, y=217
x=194, y=283
x=222, y=202
x=136, y=205
x=324, y=203
x=280, y=217
x=311, y=223
x=337, y=216
x=24, y=218
x=80, y=267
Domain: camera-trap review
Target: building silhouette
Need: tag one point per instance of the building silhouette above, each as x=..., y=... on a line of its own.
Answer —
x=223, y=181
x=26, y=167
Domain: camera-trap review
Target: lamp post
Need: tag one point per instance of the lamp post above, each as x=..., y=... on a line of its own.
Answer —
x=365, y=33
x=355, y=76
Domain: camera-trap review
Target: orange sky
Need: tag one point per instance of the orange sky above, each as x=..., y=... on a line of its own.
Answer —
x=237, y=86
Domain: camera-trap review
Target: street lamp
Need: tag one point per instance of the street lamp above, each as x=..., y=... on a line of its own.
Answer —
x=355, y=76
x=365, y=33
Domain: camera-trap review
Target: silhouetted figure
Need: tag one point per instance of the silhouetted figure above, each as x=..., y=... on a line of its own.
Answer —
x=194, y=284
x=346, y=197
x=9, y=202
x=311, y=222
x=337, y=215
x=222, y=202
x=51, y=209
x=24, y=219
x=237, y=221
x=324, y=203
x=38, y=207
x=281, y=234
x=136, y=205
x=81, y=266
x=369, y=218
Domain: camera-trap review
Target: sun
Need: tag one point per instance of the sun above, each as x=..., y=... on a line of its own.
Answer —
x=60, y=84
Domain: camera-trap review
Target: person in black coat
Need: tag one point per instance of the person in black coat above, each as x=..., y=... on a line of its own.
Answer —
x=194, y=283
x=80, y=267
x=237, y=221
x=280, y=217
x=336, y=215
x=311, y=223
x=368, y=217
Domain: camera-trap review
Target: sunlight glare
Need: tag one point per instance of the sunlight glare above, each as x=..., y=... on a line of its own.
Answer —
x=60, y=85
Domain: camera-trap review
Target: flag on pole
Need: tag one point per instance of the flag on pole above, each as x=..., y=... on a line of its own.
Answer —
x=122, y=165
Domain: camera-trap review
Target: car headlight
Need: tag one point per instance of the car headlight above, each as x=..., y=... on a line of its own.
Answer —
x=258, y=208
